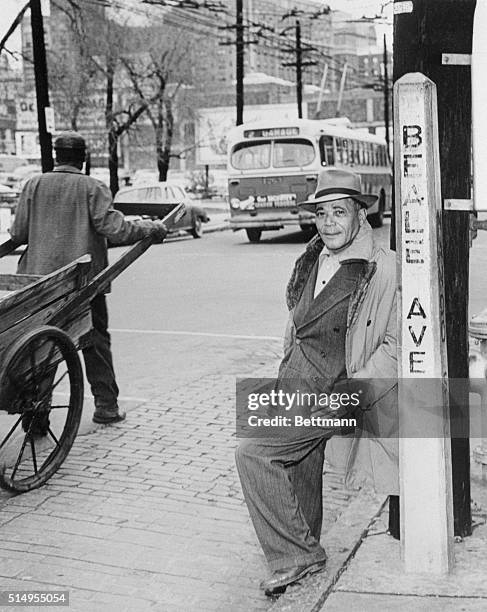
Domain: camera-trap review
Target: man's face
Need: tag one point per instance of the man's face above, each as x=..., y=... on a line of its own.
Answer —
x=338, y=222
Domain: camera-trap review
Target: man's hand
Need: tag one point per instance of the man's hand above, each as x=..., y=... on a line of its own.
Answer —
x=159, y=231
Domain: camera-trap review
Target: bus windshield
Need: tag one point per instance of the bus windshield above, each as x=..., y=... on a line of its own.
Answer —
x=252, y=155
x=288, y=153
x=285, y=154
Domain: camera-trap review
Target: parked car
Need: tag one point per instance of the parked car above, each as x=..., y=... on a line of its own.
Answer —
x=144, y=176
x=8, y=197
x=155, y=200
x=101, y=174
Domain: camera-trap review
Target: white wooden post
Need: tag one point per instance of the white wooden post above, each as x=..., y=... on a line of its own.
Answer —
x=424, y=462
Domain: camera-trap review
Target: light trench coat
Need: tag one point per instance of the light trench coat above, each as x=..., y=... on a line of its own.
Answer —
x=370, y=458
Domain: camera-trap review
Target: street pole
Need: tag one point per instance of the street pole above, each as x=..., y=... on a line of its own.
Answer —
x=423, y=31
x=240, y=61
x=42, y=89
x=342, y=88
x=299, y=70
x=386, y=100
x=322, y=91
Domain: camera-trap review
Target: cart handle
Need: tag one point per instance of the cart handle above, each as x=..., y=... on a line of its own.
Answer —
x=107, y=275
x=7, y=247
x=101, y=280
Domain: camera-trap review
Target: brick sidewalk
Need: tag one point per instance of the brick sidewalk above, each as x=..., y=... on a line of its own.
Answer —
x=147, y=515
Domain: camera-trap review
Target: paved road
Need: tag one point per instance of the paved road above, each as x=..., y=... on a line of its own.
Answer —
x=148, y=515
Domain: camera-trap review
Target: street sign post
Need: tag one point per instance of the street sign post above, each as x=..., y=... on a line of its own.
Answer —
x=424, y=444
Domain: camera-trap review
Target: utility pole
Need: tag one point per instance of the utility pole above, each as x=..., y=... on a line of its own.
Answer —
x=299, y=70
x=424, y=30
x=386, y=100
x=322, y=91
x=342, y=88
x=240, y=60
x=240, y=44
x=42, y=89
x=299, y=64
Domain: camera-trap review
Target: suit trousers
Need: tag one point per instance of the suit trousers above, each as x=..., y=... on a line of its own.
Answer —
x=99, y=362
x=282, y=480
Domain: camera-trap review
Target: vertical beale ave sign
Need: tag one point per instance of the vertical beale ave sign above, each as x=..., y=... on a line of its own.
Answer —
x=424, y=444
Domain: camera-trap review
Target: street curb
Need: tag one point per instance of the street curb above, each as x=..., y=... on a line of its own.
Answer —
x=341, y=543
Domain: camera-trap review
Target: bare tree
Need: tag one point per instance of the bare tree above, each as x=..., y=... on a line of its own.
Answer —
x=163, y=79
x=86, y=66
x=73, y=69
x=13, y=26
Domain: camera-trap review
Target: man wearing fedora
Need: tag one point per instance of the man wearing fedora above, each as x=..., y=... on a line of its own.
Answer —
x=61, y=216
x=342, y=326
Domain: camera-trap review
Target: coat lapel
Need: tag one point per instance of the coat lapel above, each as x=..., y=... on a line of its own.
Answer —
x=340, y=287
x=302, y=271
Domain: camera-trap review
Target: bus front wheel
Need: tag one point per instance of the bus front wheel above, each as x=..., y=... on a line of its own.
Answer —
x=253, y=234
x=377, y=219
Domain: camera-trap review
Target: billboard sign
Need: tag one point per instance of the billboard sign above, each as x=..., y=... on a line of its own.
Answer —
x=27, y=113
x=213, y=125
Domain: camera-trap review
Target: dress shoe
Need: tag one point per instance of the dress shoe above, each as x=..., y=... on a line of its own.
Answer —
x=282, y=578
x=109, y=419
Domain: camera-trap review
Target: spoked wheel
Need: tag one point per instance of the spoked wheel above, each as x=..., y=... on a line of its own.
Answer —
x=41, y=399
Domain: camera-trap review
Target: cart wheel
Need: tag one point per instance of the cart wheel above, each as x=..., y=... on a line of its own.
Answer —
x=41, y=391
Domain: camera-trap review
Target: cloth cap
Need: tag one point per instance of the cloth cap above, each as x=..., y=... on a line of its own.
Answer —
x=335, y=184
x=70, y=140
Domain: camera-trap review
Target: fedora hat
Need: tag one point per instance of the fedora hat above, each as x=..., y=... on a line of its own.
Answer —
x=334, y=184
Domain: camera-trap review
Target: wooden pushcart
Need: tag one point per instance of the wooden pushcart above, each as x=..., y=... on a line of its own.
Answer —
x=44, y=321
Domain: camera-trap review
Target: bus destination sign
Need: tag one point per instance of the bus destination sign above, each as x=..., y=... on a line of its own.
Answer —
x=271, y=132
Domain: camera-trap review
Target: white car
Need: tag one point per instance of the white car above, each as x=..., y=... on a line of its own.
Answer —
x=156, y=200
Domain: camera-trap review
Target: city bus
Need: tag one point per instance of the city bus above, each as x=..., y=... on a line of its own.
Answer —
x=272, y=166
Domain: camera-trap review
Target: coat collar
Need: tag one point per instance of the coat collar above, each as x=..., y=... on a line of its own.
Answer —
x=361, y=248
x=67, y=168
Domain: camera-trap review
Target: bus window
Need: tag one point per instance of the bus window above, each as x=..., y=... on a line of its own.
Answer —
x=351, y=152
x=361, y=152
x=251, y=155
x=295, y=152
x=345, y=156
x=356, y=157
x=338, y=142
x=374, y=155
x=327, y=152
x=367, y=153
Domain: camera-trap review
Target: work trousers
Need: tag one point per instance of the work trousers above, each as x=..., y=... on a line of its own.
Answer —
x=282, y=481
x=99, y=362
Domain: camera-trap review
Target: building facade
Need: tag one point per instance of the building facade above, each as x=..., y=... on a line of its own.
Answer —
x=10, y=85
x=337, y=51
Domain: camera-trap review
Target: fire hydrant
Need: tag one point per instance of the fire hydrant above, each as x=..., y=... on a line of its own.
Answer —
x=478, y=379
